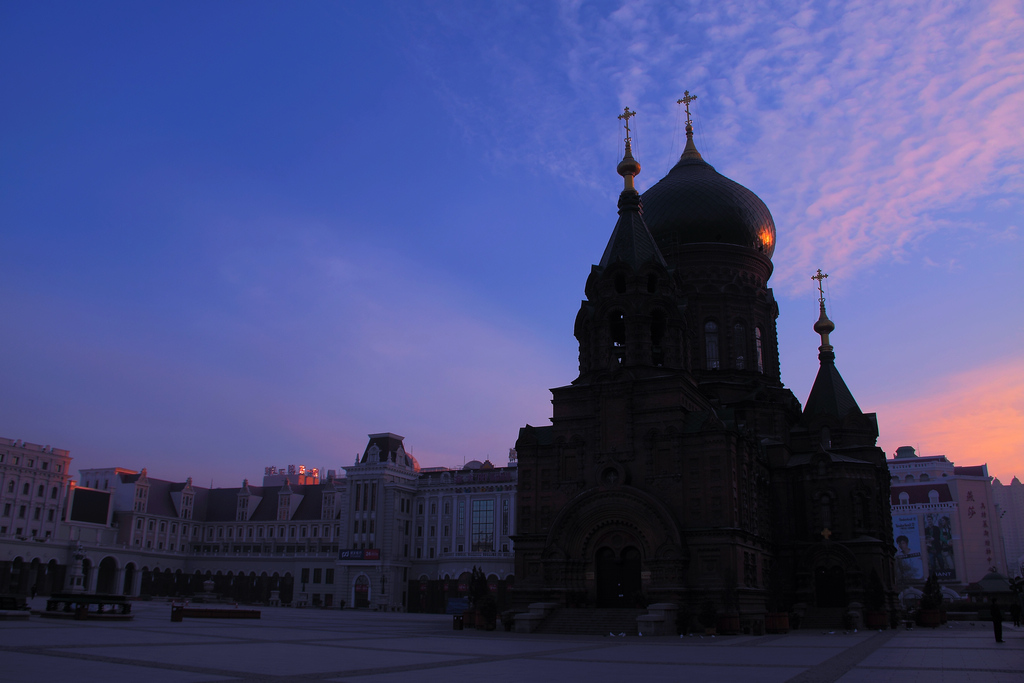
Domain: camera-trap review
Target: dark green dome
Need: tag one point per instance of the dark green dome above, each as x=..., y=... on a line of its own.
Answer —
x=695, y=203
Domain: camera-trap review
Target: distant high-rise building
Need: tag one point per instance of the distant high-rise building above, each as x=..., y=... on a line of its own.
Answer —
x=1009, y=500
x=945, y=521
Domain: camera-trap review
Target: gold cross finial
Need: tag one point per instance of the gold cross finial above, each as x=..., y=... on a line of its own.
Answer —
x=626, y=115
x=825, y=533
x=819, y=277
x=687, y=98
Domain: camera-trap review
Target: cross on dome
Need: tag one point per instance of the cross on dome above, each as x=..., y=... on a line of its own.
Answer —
x=819, y=277
x=686, y=99
x=626, y=115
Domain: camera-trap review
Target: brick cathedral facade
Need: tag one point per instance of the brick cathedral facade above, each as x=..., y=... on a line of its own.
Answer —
x=677, y=466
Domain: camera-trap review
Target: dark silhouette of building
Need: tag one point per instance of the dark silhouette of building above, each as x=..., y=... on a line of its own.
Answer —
x=678, y=467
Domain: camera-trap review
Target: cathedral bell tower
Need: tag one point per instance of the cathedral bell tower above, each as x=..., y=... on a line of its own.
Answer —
x=631, y=320
x=677, y=467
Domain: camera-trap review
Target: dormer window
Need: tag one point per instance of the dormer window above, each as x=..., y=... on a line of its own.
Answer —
x=933, y=496
x=904, y=498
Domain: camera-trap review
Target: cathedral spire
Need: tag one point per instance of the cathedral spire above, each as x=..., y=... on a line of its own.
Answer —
x=631, y=241
x=690, y=151
x=829, y=394
x=629, y=167
x=824, y=326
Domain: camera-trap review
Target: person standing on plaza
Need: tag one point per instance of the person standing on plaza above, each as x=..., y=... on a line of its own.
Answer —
x=1015, y=613
x=997, y=620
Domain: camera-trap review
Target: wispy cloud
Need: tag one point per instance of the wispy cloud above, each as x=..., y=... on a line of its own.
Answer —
x=860, y=124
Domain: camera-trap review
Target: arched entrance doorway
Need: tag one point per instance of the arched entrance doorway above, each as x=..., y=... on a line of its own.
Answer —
x=54, y=577
x=129, y=579
x=618, y=577
x=361, y=597
x=106, y=577
x=18, y=582
x=830, y=586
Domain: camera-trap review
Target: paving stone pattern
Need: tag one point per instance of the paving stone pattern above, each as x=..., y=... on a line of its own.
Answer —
x=320, y=645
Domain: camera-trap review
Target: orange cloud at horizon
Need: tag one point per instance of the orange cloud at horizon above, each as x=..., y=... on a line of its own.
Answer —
x=973, y=417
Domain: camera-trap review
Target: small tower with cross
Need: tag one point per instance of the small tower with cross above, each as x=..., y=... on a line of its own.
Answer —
x=629, y=167
x=824, y=326
x=690, y=151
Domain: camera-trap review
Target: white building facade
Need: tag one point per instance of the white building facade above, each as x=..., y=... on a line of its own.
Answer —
x=945, y=522
x=359, y=539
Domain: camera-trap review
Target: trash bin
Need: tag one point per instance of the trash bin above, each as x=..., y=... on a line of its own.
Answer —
x=457, y=622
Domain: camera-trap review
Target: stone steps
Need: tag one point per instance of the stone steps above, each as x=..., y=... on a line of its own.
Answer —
x=591, y=622
x=823, y=618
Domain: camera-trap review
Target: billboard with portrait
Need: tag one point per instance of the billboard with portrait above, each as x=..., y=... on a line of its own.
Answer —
x=938, y=538
x=909, y=567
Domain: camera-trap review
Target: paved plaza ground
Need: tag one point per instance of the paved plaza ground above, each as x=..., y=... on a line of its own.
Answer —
x=299, y=645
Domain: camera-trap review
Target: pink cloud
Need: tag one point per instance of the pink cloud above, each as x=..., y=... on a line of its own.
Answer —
x=858, y=124
x=971, y=417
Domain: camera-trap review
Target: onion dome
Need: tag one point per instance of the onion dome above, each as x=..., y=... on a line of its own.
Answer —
x=696, y=204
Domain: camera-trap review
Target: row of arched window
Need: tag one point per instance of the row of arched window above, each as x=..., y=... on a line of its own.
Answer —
x=933, y=497
x=40, y=492
x=617, y=331
x=712, y=347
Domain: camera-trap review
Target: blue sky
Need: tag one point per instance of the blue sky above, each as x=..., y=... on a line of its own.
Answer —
x=239, y=235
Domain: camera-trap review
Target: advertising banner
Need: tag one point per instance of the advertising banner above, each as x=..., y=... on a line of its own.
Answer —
x=364, y=554
x=938, y=538
x=909, y=567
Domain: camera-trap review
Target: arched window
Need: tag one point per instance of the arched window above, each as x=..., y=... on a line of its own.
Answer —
x=909, y=477
x=711, y=344
x=652, y=283
x=617, y=330
x=759, y=352
x=739, y=335
x=904, y=498
x=925, y=477
x=657, y=334
x=933, y=496
x=826, y=511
